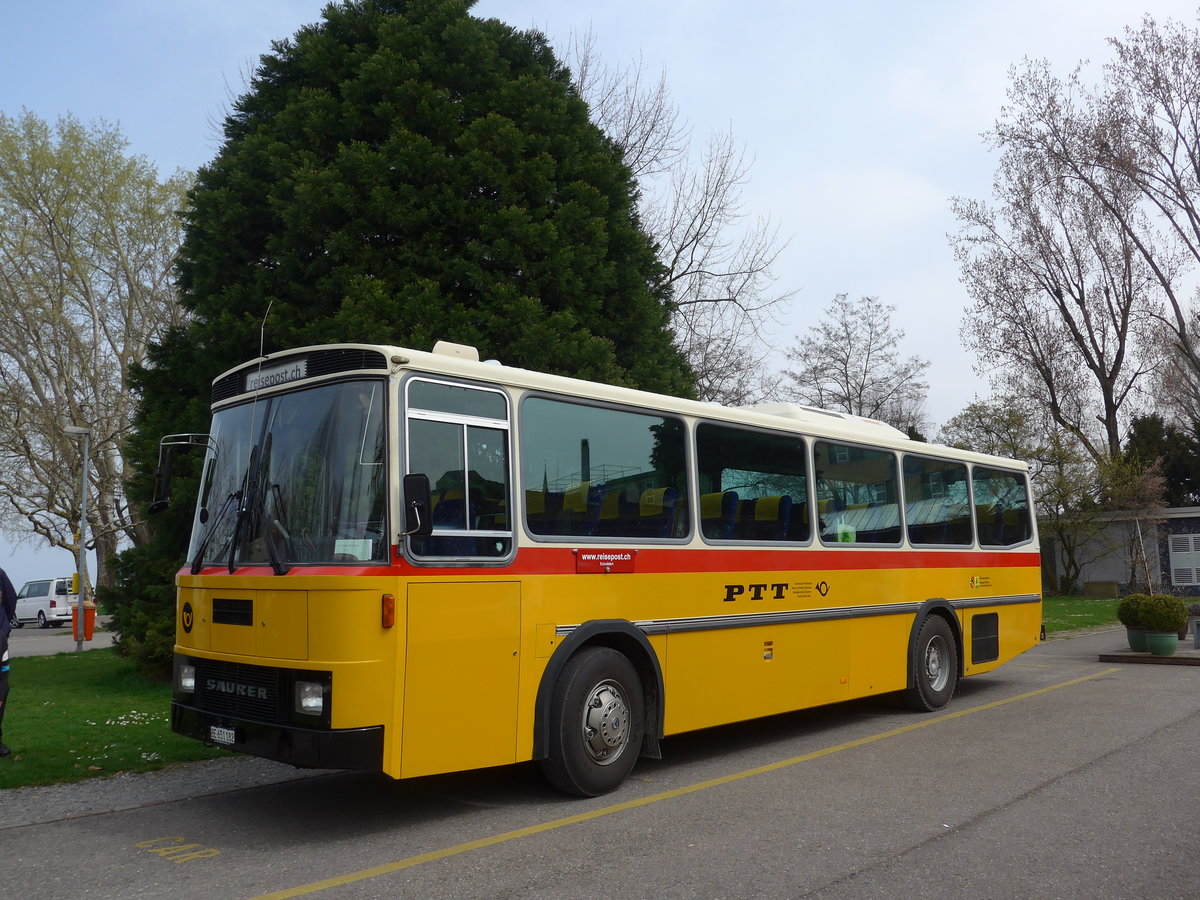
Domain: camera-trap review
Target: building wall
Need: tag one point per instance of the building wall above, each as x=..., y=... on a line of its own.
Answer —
x=1110, y=555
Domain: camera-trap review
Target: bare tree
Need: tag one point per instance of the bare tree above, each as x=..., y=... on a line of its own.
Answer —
x=1064, y=306
x=1137, y=131
x=1070, y=515
x=88, y=236
x=1146, y=133
x=719, y=265
x=1010, y=427
x=1068, y=484
x=850, y=362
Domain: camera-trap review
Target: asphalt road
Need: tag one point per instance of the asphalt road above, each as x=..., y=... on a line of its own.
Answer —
x=1056, y=776
x=33, y=641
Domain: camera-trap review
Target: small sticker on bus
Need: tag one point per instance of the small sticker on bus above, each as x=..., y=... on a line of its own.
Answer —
x=604, y=560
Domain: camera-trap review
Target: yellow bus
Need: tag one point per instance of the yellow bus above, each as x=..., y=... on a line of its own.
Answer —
x=417, y=562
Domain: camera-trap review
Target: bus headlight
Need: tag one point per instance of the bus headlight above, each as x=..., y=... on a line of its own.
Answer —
x=185, y=678
x=310, y=698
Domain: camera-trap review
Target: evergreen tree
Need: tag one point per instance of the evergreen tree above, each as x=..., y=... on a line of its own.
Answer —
x=402, y=172
x=1150, y=439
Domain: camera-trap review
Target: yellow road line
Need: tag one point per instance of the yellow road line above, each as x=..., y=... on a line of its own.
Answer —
x=505, y=837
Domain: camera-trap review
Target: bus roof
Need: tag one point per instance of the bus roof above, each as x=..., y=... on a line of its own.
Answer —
x=462, y=361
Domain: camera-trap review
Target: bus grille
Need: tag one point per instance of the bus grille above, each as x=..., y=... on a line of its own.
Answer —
x=234, y=689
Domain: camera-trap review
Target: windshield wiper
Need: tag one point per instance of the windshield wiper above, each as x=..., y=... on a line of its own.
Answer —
x=230, y=502
x=249, y=482
x=252, y=512
x=263, y=521
x=273, y=495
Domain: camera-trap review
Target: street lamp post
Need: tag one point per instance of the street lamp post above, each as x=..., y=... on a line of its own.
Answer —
x=81, y=556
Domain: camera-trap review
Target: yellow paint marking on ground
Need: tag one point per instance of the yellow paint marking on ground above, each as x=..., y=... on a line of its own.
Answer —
x=505, y=837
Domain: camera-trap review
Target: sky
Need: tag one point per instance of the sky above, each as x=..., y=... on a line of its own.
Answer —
x=863, y=119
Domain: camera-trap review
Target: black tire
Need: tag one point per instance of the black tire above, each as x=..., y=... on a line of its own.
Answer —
x=42, y=623
x=17, y=623
x=933, y=666
x=597, y=717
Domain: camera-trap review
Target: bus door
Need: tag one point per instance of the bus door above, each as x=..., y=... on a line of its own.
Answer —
x=462, y=662
x=461, y=675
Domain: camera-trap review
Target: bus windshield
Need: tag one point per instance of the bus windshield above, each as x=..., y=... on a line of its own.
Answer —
x=295, y=479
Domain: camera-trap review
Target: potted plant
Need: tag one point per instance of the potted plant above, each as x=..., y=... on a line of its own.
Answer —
x=1163, y=616
x=1128, y=611
x=1194, y=623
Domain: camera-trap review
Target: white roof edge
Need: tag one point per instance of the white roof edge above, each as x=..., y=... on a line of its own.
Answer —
x=812, y=414
x=825, y=423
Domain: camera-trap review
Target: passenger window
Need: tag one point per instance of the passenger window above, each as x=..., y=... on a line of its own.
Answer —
x=753, y=484
x=458, y=437
x=1001, y=507
x=598, y=471
x=937, y=502
x=856, y=494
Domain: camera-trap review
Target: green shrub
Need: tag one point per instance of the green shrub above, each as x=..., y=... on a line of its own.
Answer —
x=1163, y=613
x=1129, y=610
x=1194, y=609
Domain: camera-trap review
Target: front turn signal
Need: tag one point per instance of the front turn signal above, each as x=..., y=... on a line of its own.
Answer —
x=389, y=610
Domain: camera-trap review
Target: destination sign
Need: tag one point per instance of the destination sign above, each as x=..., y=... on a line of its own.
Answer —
x=267, y=377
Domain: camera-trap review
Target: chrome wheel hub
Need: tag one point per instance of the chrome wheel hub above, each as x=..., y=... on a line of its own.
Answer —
x=605, y=723
x=937, y=663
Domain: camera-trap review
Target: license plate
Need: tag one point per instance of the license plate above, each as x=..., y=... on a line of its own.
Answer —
x=219, y=735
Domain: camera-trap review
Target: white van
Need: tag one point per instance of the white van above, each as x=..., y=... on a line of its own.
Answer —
x=47, y=602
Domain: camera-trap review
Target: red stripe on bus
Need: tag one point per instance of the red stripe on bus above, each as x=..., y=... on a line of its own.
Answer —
x=683, y=560
x=555, y=561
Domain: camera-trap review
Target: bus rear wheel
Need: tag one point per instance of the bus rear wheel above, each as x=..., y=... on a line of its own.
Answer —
x=597, y=717
x=934, y=666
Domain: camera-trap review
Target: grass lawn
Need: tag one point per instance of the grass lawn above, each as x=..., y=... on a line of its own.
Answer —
x=1071, y=613
x=76, y=715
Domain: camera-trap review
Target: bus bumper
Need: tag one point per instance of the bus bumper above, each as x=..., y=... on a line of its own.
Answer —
x=305, y=748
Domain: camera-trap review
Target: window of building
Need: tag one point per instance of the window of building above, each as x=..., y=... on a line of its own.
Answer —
x=1184, y=552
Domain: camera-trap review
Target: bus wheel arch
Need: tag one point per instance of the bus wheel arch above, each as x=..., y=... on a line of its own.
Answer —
x=935, y=659
x=629, y=642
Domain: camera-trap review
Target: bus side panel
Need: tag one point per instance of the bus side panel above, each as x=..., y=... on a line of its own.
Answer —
x=728, y=675
x=1016, y=626
x=461, y=677
x=879, y=654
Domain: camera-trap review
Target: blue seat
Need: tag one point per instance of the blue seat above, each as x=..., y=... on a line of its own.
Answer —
x=718, y=513
x=764, y=518
x=656, y=512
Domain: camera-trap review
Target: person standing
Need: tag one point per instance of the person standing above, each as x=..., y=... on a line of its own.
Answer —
x=8, y=613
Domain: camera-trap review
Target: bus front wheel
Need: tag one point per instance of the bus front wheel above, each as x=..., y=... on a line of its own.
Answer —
x=597, y=717
x=934, y=666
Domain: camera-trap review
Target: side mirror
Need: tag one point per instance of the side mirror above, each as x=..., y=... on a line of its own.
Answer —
x=418, y=506
x=162, y=475
x=162, y=482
